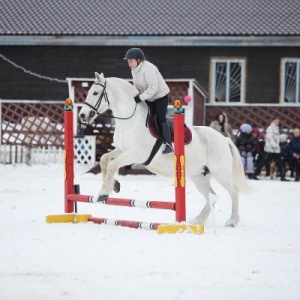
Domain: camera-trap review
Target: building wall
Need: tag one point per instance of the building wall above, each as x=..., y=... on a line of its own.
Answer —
x=263, y=67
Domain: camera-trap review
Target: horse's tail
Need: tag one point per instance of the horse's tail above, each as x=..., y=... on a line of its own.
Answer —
x=238, y=169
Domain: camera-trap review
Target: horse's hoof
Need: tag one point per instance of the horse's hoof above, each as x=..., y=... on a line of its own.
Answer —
x=117, y=186
x=230, y=224
x=102, y=198
x=195, y=221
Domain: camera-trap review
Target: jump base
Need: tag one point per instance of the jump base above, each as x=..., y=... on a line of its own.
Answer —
x=70, y=218
x=161, y=228
x=180, y=228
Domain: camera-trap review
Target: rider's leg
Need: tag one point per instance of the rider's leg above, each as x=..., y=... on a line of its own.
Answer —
x=167, y=138
x=161, y=105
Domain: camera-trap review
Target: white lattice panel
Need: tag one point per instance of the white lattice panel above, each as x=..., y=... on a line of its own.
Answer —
x=13, y=154
x=85, y=150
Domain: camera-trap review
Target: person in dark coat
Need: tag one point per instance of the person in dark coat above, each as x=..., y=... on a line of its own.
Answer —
x=284, y=144
x=246, y=144
x=294, y=152
x=256, y=135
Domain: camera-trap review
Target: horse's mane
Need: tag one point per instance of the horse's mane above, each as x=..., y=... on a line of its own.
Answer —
x=126, y=85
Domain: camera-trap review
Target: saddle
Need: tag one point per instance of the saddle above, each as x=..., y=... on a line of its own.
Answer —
x=156, y=131
x=154, y=127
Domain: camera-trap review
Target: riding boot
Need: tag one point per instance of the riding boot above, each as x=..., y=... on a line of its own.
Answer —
x=166, y=132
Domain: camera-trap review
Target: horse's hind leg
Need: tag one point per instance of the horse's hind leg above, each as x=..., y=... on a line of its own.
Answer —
x=202, y=183
x=234, y=194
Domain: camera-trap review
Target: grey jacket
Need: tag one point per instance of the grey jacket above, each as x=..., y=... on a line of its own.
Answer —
x=149, y=82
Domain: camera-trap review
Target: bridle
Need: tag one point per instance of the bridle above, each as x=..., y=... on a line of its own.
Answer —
x=95, y=108
x=98, y=103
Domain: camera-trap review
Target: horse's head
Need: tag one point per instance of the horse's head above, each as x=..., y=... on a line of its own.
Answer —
x=96, y=101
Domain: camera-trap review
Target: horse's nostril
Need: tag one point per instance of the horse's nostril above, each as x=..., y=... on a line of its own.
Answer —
x=82, y=116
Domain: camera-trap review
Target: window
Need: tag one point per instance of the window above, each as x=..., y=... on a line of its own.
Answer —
x=228, y=80
x=290, y=80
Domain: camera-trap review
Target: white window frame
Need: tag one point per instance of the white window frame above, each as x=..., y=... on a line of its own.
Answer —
x=283, y=83
x=213, y=63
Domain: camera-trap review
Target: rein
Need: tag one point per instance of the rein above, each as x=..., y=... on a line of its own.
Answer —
x=98, y=103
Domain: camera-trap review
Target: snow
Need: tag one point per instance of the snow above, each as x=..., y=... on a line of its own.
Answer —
x=259, y=259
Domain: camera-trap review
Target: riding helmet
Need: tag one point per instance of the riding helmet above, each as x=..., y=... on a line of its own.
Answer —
x=134, y=53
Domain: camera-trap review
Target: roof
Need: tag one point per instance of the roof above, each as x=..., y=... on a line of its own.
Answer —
x=252, y=18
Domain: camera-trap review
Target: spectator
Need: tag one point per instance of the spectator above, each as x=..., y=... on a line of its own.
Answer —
x=261, y=155
x=283, y=142
x=221, y=125
x=246, y=144
x=294, y=151
x=256, y=135
x=272, y=149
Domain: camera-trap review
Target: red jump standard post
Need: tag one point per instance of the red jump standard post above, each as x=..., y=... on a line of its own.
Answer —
x=179, y=161
x=69, y=154
x=179, y=166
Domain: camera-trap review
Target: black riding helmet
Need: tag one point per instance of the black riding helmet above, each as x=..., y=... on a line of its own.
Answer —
x=134, y=53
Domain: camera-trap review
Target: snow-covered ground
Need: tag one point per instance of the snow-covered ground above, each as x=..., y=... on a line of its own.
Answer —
x=260, y=259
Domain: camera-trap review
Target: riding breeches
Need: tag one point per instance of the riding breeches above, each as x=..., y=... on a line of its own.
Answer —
x=159, y=107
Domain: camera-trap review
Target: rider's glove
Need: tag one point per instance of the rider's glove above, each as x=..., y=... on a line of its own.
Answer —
x=137, y=99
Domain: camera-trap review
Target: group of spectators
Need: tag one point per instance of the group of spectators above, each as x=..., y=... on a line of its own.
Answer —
x=260, y=150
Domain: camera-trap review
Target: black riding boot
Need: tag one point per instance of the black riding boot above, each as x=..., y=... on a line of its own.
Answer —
x=166, y=132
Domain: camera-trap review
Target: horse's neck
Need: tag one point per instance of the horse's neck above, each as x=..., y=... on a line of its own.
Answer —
x=123, y=105
x=119, y=83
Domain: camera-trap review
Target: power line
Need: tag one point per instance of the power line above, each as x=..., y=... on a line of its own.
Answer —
x=30, y=72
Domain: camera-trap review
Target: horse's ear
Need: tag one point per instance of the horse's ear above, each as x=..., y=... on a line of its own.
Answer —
x=99, y=77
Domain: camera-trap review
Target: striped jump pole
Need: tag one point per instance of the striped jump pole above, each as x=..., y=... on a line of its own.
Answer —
x=71, y=197
x=123, y=202
x=126, y=223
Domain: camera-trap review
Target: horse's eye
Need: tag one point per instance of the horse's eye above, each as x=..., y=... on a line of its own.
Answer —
x=95, y=93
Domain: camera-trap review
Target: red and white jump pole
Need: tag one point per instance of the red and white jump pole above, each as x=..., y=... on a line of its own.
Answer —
x=70, y=197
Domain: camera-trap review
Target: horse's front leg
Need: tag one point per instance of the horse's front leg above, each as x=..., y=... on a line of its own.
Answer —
x=104, y=161
x=120, y=159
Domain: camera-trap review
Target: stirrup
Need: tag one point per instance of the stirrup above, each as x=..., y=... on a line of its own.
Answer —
x=168, y=149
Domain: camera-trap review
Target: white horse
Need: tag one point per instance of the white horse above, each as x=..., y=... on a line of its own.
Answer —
x=209, y=153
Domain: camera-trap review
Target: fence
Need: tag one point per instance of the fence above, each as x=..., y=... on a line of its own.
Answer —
x=13, y=154
x=32, y=132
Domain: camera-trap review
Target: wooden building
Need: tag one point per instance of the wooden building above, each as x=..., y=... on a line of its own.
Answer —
x=243, y=55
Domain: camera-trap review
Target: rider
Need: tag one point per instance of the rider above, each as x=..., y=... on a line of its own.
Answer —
x=152, y=89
